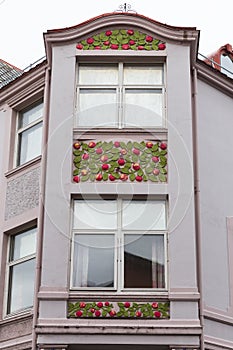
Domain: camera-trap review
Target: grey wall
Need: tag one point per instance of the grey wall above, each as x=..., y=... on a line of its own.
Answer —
x=182, y=254
x=215, y=143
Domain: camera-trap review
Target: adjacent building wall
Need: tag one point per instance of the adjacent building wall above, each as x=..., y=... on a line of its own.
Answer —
x=215, y=142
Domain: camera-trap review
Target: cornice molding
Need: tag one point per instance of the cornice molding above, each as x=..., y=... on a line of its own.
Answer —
x=181, y=35
x=115, y=19
x=25, y=85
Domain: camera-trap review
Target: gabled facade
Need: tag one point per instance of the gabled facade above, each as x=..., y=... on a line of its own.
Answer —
x=116, y=187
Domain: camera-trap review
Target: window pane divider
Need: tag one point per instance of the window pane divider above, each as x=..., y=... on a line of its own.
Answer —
x=92, y=289
x=29, y=126
x=104, y=86
x=95, y=232
x=23, y=259
x=142, y=87
x=144, y=290
x=120, y=274
x=144, y=232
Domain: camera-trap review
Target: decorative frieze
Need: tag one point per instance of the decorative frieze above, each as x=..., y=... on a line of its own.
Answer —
x=123, y=161
x=121, y=39
x=128, y=309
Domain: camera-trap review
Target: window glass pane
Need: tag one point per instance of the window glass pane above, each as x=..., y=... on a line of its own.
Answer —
x=144, y=215
x=226, y=63
x=93, y=261
x=21, y=287
x=31, y=115
x=30, y=143
x=143, y=108
x=149, y=75
x=97, y=107
x=97, y=214
x=144, y=261
x=23, y=244
x=98, y=75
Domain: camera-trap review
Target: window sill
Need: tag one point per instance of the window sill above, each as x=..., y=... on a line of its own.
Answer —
x=23, y=167
x=140, y=295
x=118, y=130
x=23, y=315
x=151, y=134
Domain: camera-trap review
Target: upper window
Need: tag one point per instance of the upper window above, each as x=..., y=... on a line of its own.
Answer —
x=21, y=271
x=29, y=133
x=119, y=244
x=120, y=95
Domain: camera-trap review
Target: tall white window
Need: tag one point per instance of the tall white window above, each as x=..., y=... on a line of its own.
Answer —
x=29, y=133
x=120, y=95
x=21, y=271
x=119, y=244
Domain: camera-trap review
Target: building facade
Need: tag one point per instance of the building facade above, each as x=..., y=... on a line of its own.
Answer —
x=117, y=207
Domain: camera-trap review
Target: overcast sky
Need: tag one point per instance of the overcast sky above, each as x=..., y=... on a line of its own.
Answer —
x=23, y=22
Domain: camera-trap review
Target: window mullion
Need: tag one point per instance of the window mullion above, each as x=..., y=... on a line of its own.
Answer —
x=119, y=109
x=119, y=246
x=166, y=259
x=121, y=99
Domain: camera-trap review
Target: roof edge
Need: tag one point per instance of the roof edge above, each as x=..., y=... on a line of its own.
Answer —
x=51, y=31
x=214, y=77
x=22, y=82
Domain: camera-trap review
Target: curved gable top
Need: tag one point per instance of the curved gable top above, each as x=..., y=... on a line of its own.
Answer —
x=122, y=21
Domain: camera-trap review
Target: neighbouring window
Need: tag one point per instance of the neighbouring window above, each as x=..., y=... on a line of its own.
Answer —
x=119, y=244
x=29, y=133
x=21, y=271
x=120, y=95
x=226, y=65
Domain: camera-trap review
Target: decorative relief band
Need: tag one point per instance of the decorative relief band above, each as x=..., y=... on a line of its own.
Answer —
x=101, y=309
x=134, y=161
x=121, y=40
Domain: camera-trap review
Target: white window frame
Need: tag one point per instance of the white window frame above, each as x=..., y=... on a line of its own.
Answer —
x=119, y=249
x=9, y=265
x=120, y=91
x=21, y=130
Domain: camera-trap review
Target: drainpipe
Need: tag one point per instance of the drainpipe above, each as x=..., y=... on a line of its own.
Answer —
x=41, y=208
x=197, y=204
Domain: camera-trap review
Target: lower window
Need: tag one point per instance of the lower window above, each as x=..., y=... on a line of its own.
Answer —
x=119, y=244
x=21, y=271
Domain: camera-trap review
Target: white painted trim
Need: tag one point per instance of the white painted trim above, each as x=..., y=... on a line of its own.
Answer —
x=24, y=341
x=218, y=316
x=119, y=53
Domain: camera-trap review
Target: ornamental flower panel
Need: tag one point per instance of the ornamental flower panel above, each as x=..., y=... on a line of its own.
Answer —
x=106, y=309
x=120, y=161
x=123, y=39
